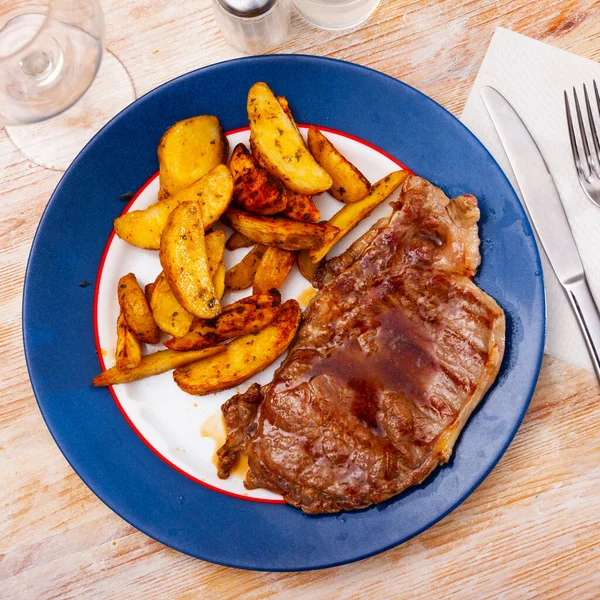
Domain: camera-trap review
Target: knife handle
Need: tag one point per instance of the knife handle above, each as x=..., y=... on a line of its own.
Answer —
x=587, y=314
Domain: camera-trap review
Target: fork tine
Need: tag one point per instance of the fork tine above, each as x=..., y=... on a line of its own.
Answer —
x=572, y=138
x=596, y=158
x=586, y=146
x=597, y=97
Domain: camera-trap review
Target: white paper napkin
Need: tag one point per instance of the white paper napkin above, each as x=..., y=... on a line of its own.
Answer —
x=532, y=76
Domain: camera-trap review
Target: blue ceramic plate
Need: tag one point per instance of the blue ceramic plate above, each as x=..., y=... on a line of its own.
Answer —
x=58, y=313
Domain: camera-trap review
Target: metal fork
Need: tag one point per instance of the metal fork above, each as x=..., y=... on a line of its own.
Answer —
x=590, y=179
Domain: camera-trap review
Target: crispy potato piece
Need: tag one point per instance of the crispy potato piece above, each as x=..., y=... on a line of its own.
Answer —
x=254, y=188
x=276, y=143
x=168, y=313
x=301, y=208
x=244, y=356
x=274, y=267
x=280, y=232
x=189, y=150
x=286, y=109
x=154, y=364
x=136, y=311
x=185, y=263
x=241, y=276
x=143, y=228
x=350, y=215
x=244, y=316
x=129, y=348
x=148, y=291
x=349, y=184
x=215, y=247
x=306, y=266
x=219, y=280
x=237, y=240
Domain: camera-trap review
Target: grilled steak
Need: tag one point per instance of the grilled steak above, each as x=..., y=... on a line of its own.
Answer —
x=395, y=352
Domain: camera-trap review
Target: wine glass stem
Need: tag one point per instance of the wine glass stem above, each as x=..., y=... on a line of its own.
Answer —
x=43, y=68
x=36, y=64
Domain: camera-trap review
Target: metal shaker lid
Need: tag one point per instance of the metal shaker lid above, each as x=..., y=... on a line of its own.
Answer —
x=247, y=8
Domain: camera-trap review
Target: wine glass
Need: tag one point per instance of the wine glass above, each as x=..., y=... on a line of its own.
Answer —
x=58, y=85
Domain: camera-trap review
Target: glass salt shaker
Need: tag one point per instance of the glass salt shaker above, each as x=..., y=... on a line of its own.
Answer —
x=253, y=26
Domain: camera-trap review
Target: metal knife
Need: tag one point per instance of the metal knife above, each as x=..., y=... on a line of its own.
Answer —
x=546, y=211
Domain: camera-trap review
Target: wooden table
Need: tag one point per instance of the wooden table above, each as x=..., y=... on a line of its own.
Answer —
x=530, y=530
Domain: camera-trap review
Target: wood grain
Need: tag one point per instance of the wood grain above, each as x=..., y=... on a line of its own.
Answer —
x=530, y=530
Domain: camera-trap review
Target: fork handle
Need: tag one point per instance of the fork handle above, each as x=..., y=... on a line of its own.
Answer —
x=588, y=317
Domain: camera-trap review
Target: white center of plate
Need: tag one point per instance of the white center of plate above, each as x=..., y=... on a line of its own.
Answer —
x=179, y=428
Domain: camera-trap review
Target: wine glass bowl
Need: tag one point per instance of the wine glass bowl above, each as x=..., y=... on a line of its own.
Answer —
x=50, y=53
x=58, y=83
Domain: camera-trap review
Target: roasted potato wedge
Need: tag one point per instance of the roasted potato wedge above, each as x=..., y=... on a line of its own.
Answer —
x=244, y=356
x=244, y=316
x=129, y=348
x=148, y=291
x=306, y=266
x=136, y=311
x=280, y=232
x=237, y=240
x=185, y=263
x=189, y=150
x=154, y=364
x=254, y=188
x=350, y=215
x=349, y=184
x=301, y=208
x=143, y=228
x=276, y=143
x=168, y=313
x=219, y=280
x=215, y=247
x=273, y=269
x=241, y=276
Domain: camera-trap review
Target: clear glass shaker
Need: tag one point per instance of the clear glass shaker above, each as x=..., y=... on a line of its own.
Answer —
x=253, y=26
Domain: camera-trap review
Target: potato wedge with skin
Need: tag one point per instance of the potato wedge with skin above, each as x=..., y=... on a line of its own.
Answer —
x=185, y=263
x=241, y=276
x=239, y=318
x=219, y=280
x=237, y=240
x=143, y=228
x=273, y=269
x=350, y=215
x=244, y=357
x=279, y=148
x=129, y=349
x=301, y=208
x=168, y=313
x=280, y=232
x=306, y=266
x=148, y=291
x=349, y=184
x=136, y=311
x=215, y=247
x=189, y=150
x=254, y=188
x=154, y=364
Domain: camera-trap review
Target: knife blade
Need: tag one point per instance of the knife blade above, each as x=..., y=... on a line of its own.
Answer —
x=547, y=214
